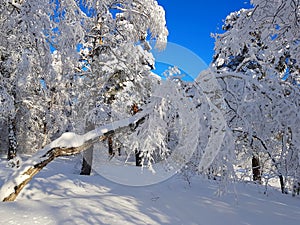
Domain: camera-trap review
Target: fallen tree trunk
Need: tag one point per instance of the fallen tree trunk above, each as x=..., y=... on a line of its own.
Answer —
x=68, y=144
x=50, y=156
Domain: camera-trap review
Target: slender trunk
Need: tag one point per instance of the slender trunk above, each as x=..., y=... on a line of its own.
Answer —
x=282, y=185
x=110, y=146
x=87, y=160
x=138, y=158
x=138, y=154
x=256, y=168
x=86, y=168
x=12, y=139
x=12, y=134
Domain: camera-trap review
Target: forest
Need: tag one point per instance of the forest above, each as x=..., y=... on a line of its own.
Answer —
x=76, y=76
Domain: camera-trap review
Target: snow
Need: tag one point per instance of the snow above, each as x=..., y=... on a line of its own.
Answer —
x=121, y=172
x=58, y=195
x=67, y=140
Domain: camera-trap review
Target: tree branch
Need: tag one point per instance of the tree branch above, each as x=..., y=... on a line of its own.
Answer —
x=14, y=185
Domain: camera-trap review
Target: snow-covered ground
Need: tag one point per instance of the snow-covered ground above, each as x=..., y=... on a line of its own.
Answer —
x=58, y=195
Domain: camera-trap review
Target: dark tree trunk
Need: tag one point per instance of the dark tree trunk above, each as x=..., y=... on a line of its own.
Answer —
x=12, y=139
x=138, y=158
x=86, y=168
x=87, y=160
x=110, y=146
x=282, y=185
x=256, y=168
x=296, y=189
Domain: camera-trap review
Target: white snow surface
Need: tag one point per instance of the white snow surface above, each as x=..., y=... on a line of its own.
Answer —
x=67, y=140
x=58, y=195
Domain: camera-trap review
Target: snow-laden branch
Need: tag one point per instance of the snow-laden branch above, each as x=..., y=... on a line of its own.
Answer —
x=131, y=10
x=66, y=145
x=213, y=93
x=15, y=4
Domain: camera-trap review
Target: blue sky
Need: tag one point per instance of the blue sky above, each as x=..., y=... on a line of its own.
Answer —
x=190, y=22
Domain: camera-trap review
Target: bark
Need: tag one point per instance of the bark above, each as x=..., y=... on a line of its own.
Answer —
x=12, y=139
x=49, y=156
x=256, y=168
x=110, y=146
x=111, y=151
x=282, y=185
x=55, y=152
x=87, y=160
x=138, y=158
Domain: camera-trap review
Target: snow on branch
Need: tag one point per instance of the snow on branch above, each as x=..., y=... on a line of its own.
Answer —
x=15, y=4
x=68, y=144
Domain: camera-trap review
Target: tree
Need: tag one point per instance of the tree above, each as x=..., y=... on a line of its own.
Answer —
x=37, y=83
x=116, y=61
x=150, y=131
x=17, y=66
x=45, y=101
x=264, y=39
x=257, y=64
x=68, y=144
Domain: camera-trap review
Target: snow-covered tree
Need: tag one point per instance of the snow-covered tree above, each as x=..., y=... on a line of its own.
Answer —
x=41, y=87
x=115, y=60
x=115, y=57
x=263, y=40
x=20, y=42
x=263, y=116
x=35, y=103
x=257, y=64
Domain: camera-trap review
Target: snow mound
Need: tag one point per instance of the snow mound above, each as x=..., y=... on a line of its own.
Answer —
x=68, y=140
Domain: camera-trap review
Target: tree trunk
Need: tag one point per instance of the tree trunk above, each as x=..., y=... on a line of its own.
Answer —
x=110, y=146
x=47, y=158
x=87, y=160
x=13, y=186
x=256, y=168
x=138, y=158
x=282, y=185
x=12, y=139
